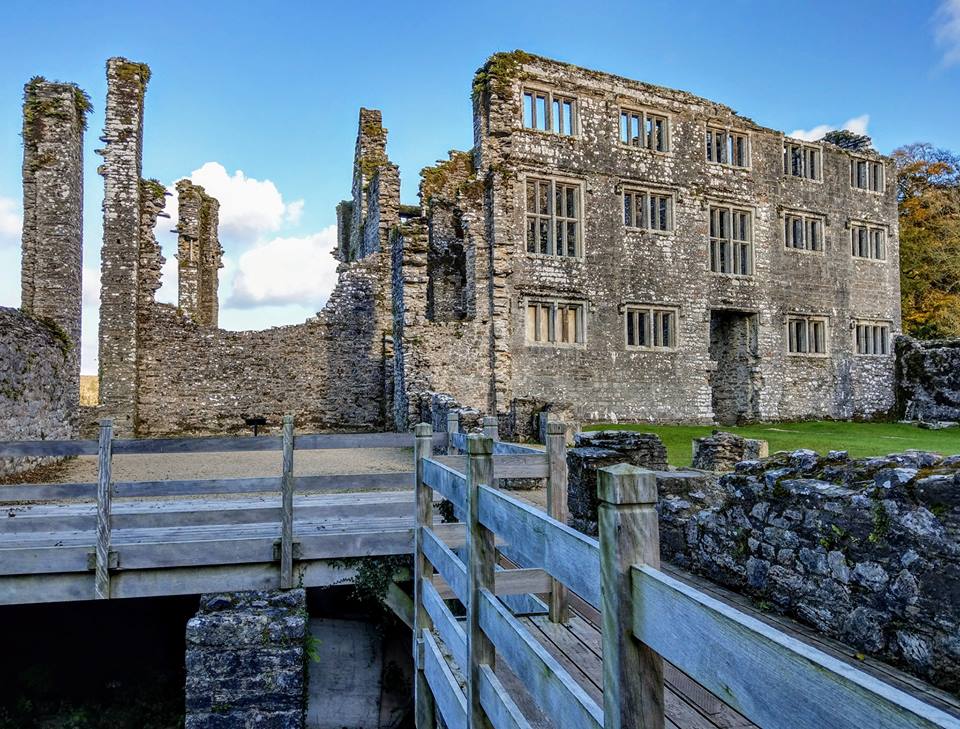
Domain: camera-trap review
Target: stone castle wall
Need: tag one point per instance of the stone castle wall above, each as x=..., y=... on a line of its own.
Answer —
x=199, y=254
x=37, y=387
x=620, y=265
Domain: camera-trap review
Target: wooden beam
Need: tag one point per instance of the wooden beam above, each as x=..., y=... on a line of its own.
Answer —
x=424, y=705
x=481, y=560
x=771, y=678
x=448, y=482
x=104, y=498
x=446, y=626
x=557, y=506
x=497, y=702
x=449, y=699
x=523, y=581
x=400, y=603
x=286, y=507
x=629, y=533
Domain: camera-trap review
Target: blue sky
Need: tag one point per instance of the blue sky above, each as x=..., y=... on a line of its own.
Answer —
x=273, y=92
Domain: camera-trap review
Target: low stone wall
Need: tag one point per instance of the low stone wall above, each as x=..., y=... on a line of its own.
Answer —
x=36, y=386
x=722, y=451
x=928, y=379
x=866, y=551
x=245, y=662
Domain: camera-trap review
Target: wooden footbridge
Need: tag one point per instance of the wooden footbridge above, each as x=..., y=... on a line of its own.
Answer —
x=620, y=641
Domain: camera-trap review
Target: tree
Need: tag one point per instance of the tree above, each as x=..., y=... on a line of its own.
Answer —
x=928, y=194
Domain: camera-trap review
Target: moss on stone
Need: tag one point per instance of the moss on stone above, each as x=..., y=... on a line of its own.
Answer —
x=499, y=72
x=436, y=180
x=153, y=188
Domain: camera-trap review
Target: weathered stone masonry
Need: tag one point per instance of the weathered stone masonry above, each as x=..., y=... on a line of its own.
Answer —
x=199, y=254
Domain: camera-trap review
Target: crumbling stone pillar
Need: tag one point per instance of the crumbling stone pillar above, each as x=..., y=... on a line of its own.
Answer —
x=246, y=660
x=54, y=118
x=199, y=254
x=119, y=272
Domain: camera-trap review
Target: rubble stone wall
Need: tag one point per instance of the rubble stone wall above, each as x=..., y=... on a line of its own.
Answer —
x=865, y=551
x=37, y=395
x=619, y=266
x=928, y=379
x=246, y=661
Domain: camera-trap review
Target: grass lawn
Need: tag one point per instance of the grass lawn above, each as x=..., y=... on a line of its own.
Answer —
x=861, y=439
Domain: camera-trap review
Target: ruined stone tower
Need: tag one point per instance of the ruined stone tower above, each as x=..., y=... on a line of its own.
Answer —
x=199, y=254
x=119, y=274
x=54, y=119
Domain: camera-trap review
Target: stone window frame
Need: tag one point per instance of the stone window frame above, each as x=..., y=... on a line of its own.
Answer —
x=809, y=321
x=651, y=309
x=871, y=229
x=548, y=93
x=643, y=112
x=807, y=217
x=714, y=128
x=555, y=303
x=886, y=339
x=543, y=176
x=731, y=207
x=871, y=166
x=808, y=147
x=628, y=188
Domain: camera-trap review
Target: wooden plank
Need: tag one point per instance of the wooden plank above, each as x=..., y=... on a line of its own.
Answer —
x=34, y=448
x=400, y=603
x=540, y=541
x=525, y=465
x=104, y=498
x=500, y=707
x=446, y=626
x=548, y=682
x=424, y=707
x=140, y=446
x=449, y=483
x=587, y=673
x=129, y=489
x=760, y=671
x=453, y=571
x=450, y=701
x=524, y=581
x=459, y=441
x=286, y=507
x=501, y=448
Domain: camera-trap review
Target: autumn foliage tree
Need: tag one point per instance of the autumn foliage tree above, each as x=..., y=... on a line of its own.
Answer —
x=928, y=192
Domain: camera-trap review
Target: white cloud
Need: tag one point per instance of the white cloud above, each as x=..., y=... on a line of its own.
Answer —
x=249, y=207
x=857, y=125
x=284, y=271
x=10, y=221
x=947, y=30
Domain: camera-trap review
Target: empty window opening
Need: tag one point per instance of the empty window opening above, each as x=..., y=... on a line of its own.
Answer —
x=554, y=322
x=726, y=147
x=868, y=241
x=648, y=210
x=553, y=218
x=872, y=338
x=651, y=327
x=806, y=335
x=731, y=240
x=549, y=112
x=866, y=175
x=802, y=160
x=645, y=129
x=803, y=232
x=733, y=349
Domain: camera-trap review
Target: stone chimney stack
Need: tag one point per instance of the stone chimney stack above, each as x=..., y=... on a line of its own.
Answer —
x=54, y=119
x=119, y=271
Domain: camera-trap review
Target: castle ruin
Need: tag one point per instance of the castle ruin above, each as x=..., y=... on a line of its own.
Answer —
x=607, y=250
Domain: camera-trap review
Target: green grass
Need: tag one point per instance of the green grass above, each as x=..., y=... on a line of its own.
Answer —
x=861, y=439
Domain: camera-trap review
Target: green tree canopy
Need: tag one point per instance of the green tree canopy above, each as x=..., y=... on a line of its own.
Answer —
x=928, y=192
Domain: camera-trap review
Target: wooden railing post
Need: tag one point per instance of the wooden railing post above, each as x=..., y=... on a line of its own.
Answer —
x=104, y=507
x=557, y=505
x=453, y=426
x=286, y=509
x=424, y=709
x=629, y=534
x=491, y=427
x=481, y=560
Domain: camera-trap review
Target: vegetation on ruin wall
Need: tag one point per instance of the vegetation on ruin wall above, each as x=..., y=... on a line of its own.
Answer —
x=374, y=575
x=499, y=73
x=928, y=193
x=36, y=108
x=436, y=181
x=862, y=440
x=154, y=189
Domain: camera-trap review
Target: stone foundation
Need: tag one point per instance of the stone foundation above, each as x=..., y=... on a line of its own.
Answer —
x=865, y=551
x=245, y=663
x=723, y=451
